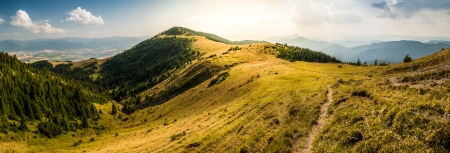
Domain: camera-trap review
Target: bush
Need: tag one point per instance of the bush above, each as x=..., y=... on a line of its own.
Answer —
x=383, y=64
x=276, y=121
x=193, y=145
x=49, y=129
x=211, y=56
x=407, y=59
x=77, y=143
x=176, y=136
x=221, y=77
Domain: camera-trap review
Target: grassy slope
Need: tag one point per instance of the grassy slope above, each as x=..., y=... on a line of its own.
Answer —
x=392, y=116
x=266, y=104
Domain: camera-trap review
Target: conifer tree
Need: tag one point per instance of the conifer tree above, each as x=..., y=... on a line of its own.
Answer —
x=407, y=59
x=114, y=109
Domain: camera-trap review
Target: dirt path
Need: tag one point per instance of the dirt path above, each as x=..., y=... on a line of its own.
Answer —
x=322, y=120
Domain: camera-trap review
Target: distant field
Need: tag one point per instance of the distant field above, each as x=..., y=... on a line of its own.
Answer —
x=66, y=55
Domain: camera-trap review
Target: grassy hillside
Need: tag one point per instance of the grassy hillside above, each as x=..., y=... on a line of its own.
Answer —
x=253, y=91
x=402, y=108
x=242, y=98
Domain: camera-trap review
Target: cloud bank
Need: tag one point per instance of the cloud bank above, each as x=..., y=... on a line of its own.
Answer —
x=405, y=9
x=83, y=17
x=1, y=20
x=21, y=19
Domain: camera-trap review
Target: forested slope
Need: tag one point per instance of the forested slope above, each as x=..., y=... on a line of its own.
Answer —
x=145, y=65
x=28, y=94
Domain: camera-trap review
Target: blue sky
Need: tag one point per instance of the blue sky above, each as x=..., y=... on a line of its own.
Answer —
x=234, y=19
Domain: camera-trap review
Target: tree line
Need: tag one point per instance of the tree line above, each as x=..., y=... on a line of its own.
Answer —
x=293, y=53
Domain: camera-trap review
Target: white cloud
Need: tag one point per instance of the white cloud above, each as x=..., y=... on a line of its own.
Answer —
x=1, y=20
x=10, y=34
x=83, y=17
x=21, y=19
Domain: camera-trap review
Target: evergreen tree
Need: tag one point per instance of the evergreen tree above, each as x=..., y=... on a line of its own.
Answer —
x=376, y=63
x=23, y=125
x=114, y=109
x=84, y=122
x=358, y=62
x=407, y=59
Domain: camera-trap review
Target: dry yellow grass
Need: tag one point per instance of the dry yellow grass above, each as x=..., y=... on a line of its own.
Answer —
x=266, y=104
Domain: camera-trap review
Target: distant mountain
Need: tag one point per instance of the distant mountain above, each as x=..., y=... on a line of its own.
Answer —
x=53, y=45
x=68, y=43
x=438, y=41
x=322, y=46
x=282, y=39
x=308, y=43
x=9, y=45
x=334, y=50
x=393, y=51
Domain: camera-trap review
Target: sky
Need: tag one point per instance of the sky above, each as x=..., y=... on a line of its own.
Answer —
x=232, y=19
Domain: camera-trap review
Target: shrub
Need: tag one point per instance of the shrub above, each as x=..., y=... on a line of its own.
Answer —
x=77, y=143
x=176, y=136
x=49, y=129
x=383, y=64
x=243, y=150
x=211, y=56
x=276, y=121
x=221, y=77
x=407, y=59
x=192, y=145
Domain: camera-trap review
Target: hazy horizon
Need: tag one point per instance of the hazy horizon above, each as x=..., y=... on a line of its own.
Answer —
x=234, y=20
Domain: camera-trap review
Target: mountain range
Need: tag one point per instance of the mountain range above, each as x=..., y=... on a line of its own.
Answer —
x=68, y=43
x=389, y=51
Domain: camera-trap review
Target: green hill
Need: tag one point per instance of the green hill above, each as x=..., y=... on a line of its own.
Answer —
x=213, y=37
x=30, y=96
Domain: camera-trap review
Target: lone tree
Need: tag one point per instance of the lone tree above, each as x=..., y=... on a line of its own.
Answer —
x=114, y=109
x=376, y=63
x=407, y=59
x=358, y=63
